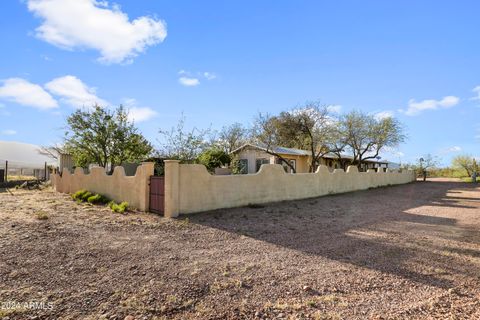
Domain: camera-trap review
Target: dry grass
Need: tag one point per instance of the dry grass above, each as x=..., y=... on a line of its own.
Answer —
x=20, y=178
x=404, y=252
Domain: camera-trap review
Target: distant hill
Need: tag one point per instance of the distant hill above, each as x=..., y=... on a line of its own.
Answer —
x=21, y=154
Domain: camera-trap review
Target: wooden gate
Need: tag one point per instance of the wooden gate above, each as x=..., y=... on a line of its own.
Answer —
x=157, y=194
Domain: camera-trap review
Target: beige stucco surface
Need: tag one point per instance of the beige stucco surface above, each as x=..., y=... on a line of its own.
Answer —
x=251, y=154
x=197, y=190
x=119, y=187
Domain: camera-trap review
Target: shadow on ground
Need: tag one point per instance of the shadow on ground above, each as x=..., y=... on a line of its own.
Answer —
x=403, y=230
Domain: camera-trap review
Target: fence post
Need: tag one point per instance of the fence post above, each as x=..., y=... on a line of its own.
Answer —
x=6, y=170
x=45, y=172
x=172, y=188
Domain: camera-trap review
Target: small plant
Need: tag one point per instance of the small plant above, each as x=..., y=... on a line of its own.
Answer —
x=42, y=215
x=98, y=199
x=86, y=195
x=79, y=194
x=119, y=208
x=311, y=303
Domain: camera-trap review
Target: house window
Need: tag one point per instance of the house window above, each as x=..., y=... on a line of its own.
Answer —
x=285, y=166
x=260, y=162
x=243, y=166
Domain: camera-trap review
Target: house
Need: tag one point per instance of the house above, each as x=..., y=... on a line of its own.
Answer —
x=251, y=157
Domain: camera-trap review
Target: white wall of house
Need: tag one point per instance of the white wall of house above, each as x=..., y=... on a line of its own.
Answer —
x=251, y=155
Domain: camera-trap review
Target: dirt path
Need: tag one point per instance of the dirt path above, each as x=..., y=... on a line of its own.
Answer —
x=409, y=251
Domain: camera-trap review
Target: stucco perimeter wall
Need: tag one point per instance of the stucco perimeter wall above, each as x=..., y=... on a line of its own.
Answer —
x=119, y=187
x=190, y=188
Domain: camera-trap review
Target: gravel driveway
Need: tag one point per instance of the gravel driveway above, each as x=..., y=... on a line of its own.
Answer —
x=410, y=251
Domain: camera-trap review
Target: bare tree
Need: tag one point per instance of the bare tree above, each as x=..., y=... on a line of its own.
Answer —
x=182, y=144
x=231, y=137
x=426, y=162
x=53, y=151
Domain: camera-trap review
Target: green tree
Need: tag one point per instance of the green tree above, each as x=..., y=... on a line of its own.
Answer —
x=267, y=133
x=464, y=162
x=311, y=127
x=104, y=137
x=366, y=136
x=213, y=158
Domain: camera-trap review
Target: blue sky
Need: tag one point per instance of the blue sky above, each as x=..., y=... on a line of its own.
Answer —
x=221, y=62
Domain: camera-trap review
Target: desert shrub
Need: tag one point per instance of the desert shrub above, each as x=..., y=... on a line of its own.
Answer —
x=213, y=158
x=98, y=199
x=86, y=195
x=120, y=208
x=79, y=194
x=42, y=215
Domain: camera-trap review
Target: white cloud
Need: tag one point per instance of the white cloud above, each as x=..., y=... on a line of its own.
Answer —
x=136, y=113
x=189, y=82
x=9, y=132
x=94, y=24
x=384, y=115
x=209, y=75
x=476, y=90
x=26, y=93
x=393, y=152
x=140, y=114
x=415, y=107
x=190, y=79
x=451, y=150
x=74, y=92
x=335, y=108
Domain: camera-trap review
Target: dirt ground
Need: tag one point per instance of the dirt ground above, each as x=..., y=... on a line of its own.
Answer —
x=410, y=251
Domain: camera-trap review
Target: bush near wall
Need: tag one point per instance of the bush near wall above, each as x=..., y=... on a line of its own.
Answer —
x=98, y=199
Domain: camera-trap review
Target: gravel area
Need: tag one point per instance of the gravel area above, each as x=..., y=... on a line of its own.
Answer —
x=410, y=251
